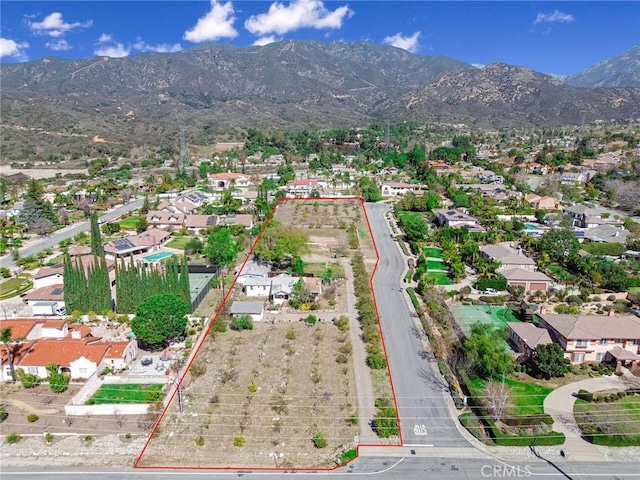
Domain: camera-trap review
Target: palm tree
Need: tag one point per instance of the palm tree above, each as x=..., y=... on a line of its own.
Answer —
x=5, y=339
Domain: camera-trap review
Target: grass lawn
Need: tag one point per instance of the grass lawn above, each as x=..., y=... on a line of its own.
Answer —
x=403, y=214
x=178, y=242
x=15, y=285
x=634, y=290
x=434, y=252
x=615, y=423
x=441, y=278
x=129, y=223
x=526, y=398
x=435, y=265
x=125, y=393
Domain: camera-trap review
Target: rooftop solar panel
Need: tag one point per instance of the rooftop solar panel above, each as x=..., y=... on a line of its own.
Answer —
x=57, y=291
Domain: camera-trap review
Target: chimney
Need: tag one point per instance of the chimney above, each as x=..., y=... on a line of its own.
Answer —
x=611, y=312
x=543, y=310
x=75, y=334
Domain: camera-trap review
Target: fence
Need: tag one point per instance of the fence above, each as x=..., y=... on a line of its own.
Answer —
x=108, y=409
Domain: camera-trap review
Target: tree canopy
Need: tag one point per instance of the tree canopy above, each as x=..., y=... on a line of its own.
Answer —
x=221, y=248
x=487, y=351
x=559, y=244
x=279, y=241
x=159, y=319
x=549, y=361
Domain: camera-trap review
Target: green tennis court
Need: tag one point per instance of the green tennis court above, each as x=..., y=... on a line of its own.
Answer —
x=467, y=315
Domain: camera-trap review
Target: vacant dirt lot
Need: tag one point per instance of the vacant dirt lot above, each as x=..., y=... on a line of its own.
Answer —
x=271, y=390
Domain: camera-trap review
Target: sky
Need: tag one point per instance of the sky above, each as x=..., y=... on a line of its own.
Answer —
x=550, y=37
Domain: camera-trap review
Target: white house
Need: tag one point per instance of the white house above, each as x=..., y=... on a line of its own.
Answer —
x=282, y=287
x=395, y=189
x=223, y=181
x=120, y=354
x=255, y=310
x=252, y=270
x=257, y=287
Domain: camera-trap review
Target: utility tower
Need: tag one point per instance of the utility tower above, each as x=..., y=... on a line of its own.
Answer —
x=184, y=160
x=387, y=137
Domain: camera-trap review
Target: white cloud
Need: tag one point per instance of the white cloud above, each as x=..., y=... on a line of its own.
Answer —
x=142, y=46
x=262, y=41
x=117, y=50
x=13, y=49
x=216, y=24
x=408, y=43
x=556, y=16
x=282, y=18
x=59, y=45
x=54, y=26
x=104, y=38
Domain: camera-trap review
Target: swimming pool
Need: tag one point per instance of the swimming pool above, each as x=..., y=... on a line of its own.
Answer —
x=157, y=256
x=530, y=226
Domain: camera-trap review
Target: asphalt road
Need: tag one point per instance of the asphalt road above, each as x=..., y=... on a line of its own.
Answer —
x=419, y=387
x=405, y=468
x=51, y=241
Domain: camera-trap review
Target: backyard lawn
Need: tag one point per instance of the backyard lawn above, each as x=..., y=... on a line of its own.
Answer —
x=441, y=278
x=433, y=252
x=435, y=265
x=127, y=393
x=178, y=242
x=129, y=223
x=16, y=285
x=615, y=423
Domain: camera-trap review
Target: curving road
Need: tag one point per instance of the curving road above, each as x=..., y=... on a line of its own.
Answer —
x=425, y=417
x=52, y=241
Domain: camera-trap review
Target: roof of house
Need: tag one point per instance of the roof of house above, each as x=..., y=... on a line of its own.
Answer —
x=314, y=285
x=50, y=292
x=55, y=324
x=594, y=327
x=257, y=282
x=620, y=353
x=578, y=209
x=20, y=327
x=227, y=176
x=283, y=283
x=515, y=274
x=76, y=251
x=302, y=183
x=80, y=327
x=247, y=308
x=85, y=260
x=531, y=335
x=255, y=270
x=117, y=349
x=201, y=221
x=244, y=219
x=607, y=233
x=404, y=185
x=163, y=217
x=63, y=351
x=455, y=215
x=506, y=256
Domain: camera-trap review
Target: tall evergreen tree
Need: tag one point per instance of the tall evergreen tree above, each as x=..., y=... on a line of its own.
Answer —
x=97, y=248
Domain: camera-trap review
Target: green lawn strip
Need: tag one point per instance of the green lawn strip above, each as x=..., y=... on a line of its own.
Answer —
x=441, y=278
x=614, y=424
x=402, y=214
x=124, y=393
x=435, y=265
x=178, y=242
x=471, y=423
x=315, y=268
x=433, y=252
x=409, y=276
x=129, y=223
x=414, y=299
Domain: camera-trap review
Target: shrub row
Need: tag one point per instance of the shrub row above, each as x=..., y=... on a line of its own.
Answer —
x=367, y=314
x=414, y=299
x=609, y=397
x=494, y=299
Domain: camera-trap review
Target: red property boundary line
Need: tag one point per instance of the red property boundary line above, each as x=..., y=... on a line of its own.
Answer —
x=204, y=337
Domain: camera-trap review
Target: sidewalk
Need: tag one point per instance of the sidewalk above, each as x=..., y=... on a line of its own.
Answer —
x=559, y=404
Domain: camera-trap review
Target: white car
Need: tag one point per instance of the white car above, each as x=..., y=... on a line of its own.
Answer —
x=635, y=311
x=490, y=290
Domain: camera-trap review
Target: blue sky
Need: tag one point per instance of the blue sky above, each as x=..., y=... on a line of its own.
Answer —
x=550, y=37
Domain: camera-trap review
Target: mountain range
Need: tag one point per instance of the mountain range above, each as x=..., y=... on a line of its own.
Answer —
x=214, y=88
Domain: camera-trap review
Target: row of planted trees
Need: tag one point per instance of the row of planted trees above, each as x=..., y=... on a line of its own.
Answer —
x=88, y=287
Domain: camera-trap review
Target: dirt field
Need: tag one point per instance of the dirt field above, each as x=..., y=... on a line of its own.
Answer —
x=268, y=388
x=49, y=407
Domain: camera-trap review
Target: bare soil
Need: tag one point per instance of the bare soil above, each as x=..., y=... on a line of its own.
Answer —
x=300, y=389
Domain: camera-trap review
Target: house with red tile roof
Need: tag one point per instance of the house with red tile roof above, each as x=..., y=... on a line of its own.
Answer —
x=50, y=293
x=53, y=275
x=222, y=181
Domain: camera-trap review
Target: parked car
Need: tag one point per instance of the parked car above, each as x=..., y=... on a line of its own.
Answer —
x=146, y=362
x=635, y=311
x=490, y=290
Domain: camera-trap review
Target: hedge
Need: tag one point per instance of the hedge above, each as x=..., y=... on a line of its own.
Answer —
x=499, y=283
x=414, y=299
x=605, y=248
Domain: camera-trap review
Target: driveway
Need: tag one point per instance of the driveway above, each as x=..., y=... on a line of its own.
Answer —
x=559, y=404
